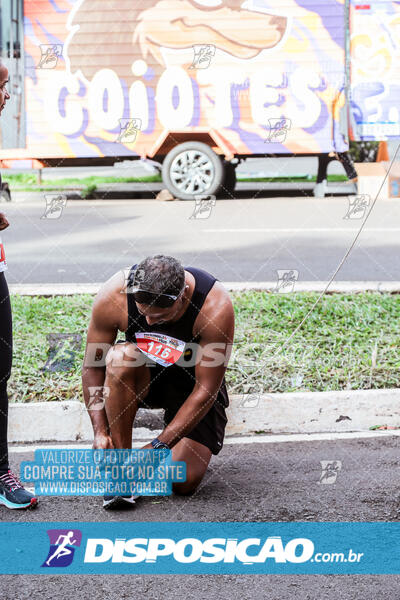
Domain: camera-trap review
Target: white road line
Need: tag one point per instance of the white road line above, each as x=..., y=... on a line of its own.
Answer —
x=310, y=437
x=250, y=439
x=305, y=230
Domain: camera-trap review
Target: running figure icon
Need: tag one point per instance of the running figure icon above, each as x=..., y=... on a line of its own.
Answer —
x=62, y=549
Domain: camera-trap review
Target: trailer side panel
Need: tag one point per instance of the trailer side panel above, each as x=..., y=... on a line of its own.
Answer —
x=268, y=75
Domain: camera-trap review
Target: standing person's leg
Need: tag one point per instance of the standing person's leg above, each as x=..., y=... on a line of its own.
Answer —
x=320, y=186
x=5, y=368
x=323, y=162
x=348, y=165
x=12, y=492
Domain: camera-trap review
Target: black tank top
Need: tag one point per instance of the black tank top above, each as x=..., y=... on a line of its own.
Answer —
x=181, y=330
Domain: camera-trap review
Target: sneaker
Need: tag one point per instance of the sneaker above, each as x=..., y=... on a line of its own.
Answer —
x=118, y=501
x=13, y=494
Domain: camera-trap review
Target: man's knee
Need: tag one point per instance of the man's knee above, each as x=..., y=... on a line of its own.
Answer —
x=123, y=360
x=188, y=487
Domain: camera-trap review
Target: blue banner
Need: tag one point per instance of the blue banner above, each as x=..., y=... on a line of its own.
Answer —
x=207, y=548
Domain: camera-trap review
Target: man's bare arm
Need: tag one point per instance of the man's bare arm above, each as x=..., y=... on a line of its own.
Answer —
x=101, y=335
x=215, y=348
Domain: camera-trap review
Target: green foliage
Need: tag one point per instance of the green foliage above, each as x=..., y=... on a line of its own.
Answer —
x=350, y=341
x=363, y=151
x=27, y=182
x=88, y=191
x=333, y=350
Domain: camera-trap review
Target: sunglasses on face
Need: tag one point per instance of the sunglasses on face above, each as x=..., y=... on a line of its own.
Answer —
x=154, y=299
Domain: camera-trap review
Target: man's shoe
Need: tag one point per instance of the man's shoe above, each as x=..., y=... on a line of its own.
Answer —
x=118, y=501
x=13, y=494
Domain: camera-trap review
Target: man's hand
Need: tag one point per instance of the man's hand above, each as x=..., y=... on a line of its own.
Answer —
x=102, y=441
x=3, y=221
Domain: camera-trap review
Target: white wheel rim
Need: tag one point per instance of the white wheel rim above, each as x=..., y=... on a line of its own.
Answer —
x=192, y=172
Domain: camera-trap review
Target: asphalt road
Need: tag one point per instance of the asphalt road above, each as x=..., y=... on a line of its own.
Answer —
x=245, y=482
x=246, y=239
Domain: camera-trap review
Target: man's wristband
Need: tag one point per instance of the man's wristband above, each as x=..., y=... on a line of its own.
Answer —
x=158, y=444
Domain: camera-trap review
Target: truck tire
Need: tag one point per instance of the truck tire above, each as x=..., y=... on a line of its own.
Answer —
x=229, y=183
x=192, y=169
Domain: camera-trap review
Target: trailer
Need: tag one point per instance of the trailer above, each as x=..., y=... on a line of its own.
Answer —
x=196, y=85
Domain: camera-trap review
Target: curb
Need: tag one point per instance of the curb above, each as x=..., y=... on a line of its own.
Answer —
x=137, y=191
x=339, y=287
x=149, y=190
x=298, y=412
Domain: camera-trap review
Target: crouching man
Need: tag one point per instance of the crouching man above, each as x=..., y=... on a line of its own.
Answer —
x=179, y=326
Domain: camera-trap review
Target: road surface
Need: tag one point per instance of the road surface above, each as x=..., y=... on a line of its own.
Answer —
x=245, y=482
x=246, y=239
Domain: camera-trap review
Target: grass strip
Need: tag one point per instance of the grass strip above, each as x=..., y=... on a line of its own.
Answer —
x=350, y=341
x=27, y=182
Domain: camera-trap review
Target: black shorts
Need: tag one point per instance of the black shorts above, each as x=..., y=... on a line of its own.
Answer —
x=168, y=390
